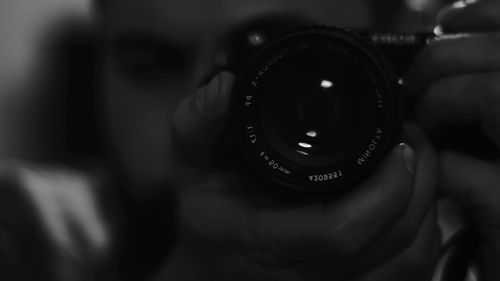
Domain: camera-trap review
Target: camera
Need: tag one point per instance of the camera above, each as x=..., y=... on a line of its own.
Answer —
x=316, y=108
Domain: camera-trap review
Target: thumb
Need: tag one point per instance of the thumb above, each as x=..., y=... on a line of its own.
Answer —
x=200, y=120
x=470, y=16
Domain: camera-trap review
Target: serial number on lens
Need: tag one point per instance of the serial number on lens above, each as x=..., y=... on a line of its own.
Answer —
x=326, y=177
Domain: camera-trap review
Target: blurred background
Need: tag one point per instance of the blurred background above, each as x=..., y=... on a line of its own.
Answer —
x=29, y=63
x=47, y=73
x=28, y=31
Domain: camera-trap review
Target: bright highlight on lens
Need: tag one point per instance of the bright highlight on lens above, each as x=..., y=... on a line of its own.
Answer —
x=312, y=134
x=305, y=145
x=303, y=153
x=325, y=84
x=438, y=31
x=256, y=39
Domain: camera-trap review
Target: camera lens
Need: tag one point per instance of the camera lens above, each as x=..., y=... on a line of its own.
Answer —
x=319, y=109
x=316, y=109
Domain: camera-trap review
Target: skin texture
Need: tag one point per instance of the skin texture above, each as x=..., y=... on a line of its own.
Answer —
x=161, y=122
x=458, y=84
x=141, y=92
x=224, y=218
x=264, y=237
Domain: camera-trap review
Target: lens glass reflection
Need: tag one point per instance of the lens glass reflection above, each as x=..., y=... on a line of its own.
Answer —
x=317, y=106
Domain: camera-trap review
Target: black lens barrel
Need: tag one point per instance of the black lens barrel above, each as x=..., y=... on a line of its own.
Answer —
x=316, y=109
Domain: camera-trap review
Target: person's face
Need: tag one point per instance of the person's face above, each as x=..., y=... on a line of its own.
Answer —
x=157, y=52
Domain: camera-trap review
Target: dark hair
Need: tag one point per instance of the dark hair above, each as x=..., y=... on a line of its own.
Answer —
x=384, y=14
x=78, y=67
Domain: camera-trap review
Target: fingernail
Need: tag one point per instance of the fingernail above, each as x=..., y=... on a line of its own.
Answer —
x=214, y=96
x=212, y=100
x=206, y=98
x=408, y=156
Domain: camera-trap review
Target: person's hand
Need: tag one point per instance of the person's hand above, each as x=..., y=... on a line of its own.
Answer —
x=233, y=226
x=458, y=83
x=51, y=227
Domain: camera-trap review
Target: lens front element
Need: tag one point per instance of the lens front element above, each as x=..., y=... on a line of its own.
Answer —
x=316, y=110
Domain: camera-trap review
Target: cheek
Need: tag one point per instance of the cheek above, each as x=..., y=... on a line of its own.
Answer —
x=138, y=122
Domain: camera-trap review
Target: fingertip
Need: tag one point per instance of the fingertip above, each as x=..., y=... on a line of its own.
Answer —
x=403, y=157
x=226, y=85
x=414, y=135
x=213, y=98
x=469, y=16
x=448, y=13
x=200, y=120
x=396, y=172
x=407, y=155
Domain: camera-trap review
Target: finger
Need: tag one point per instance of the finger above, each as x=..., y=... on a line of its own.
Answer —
x=277, y=235
x=470, y=16
x=465, y=99
x=402, y=232
x=21, y=226
x=200, y=120
x=16, y=211
x=453, y=56
x=417, y=261
x=475, y=184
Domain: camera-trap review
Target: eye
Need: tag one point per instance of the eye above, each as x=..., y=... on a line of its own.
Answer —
x=141, y=59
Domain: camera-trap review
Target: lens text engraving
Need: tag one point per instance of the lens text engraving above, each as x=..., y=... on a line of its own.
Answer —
x=377, y=137
x=251, y=134
x=326, y=177
x=274, y=164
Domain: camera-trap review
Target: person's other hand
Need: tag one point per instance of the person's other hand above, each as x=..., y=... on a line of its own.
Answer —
x=458, y=83
x=51, y=224
x=233, y=226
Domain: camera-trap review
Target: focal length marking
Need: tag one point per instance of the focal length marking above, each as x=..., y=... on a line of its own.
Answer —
x=273, y=164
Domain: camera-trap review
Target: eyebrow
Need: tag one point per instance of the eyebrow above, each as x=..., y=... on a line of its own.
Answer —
x=132, y=40
x=180, y=54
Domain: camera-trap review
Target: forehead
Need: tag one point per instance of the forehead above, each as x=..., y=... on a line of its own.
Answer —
x=192, y=18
